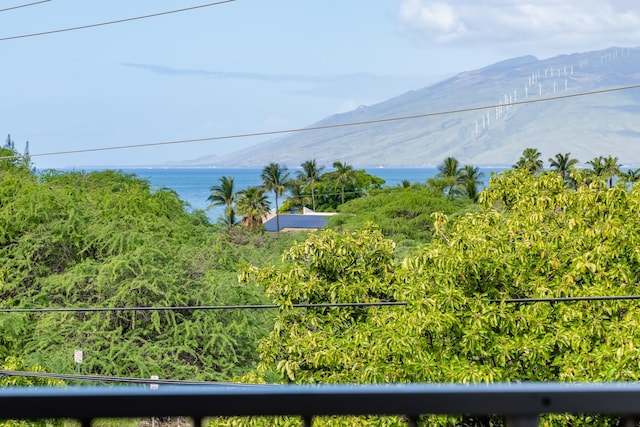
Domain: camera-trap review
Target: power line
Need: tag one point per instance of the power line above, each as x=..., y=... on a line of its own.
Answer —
x=323, y=127
x=321, y=305
x=24, y=5
x=82, y=27
x=197, y=308
x=98, y=378
x=128, y=380
x=565, y=299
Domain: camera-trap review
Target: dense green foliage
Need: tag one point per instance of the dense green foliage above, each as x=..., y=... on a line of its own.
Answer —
x=533, y=238
x=339, y=186
x=326, y=191
x=455, y=181
x=104, y=239
x=402, y=214
x=15, y=364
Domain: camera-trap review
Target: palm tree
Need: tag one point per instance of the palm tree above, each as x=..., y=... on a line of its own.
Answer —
x=298, y=196
x=224, y=195
x=597, y=165
x=449, y=171
x=310, y=174
x=611, y=169
x=253, y=205
x=274, y=178
x=530, y=160
x=469, y=179
x=345, y=175
x=562, y=164
x=605, y=168
x=631, y=175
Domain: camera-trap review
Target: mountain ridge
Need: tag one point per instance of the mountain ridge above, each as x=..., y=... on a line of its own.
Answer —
x=490, y=128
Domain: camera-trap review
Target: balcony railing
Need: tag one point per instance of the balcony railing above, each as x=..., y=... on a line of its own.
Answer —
x=520, y=404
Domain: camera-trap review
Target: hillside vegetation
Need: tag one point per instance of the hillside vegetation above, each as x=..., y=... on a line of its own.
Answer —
x=104, y=239
x=402, y=214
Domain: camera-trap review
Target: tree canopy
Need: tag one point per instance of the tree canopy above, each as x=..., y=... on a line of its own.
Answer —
x=224, y=194
x=530, y=160
x=403, y=214
x=274, y=178
x=310, y=174
x=104, y=239
x=534, y=238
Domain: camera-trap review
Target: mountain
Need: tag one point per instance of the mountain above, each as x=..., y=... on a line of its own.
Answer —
x=496, y=130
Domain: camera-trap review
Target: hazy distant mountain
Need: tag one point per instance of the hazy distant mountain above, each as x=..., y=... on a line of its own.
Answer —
x=586, y=126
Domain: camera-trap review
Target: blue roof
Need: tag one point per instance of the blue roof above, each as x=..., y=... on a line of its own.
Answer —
x=297, y=221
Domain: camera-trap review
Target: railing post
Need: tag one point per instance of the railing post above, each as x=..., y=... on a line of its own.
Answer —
x=307, y=420
x=631, y=421
x=522, y=421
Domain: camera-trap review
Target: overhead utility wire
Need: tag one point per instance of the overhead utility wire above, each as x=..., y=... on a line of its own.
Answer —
x=82, y=27
x=101, y=378
x=195, y=307
x=324, y=305
x=24, y=5
x=565, y=299
x=312, y=128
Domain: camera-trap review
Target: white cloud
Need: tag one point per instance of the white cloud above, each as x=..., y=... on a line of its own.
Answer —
x=560, y=24
x=435, y=19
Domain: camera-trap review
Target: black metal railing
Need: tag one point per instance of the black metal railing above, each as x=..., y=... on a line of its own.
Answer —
x=520, y=404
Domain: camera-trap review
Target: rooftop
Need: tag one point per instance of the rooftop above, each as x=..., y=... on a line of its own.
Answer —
x=291, y=222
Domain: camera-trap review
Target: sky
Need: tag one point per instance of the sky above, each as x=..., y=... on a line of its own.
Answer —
x=251, y=66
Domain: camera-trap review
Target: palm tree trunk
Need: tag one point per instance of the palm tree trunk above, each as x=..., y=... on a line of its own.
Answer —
x=277, y=214
x=230, y=215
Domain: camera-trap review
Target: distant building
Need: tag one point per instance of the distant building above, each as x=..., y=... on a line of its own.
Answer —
x=308, y=220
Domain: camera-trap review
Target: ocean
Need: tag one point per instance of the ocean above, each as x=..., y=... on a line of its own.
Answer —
x=193, y=184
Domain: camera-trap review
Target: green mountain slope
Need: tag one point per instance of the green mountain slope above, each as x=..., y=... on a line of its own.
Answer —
x=586, y=126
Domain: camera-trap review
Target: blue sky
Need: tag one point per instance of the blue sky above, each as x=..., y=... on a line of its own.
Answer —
x=255, y=65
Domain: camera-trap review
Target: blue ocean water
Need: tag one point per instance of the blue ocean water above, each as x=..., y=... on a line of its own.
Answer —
x=193, y=185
